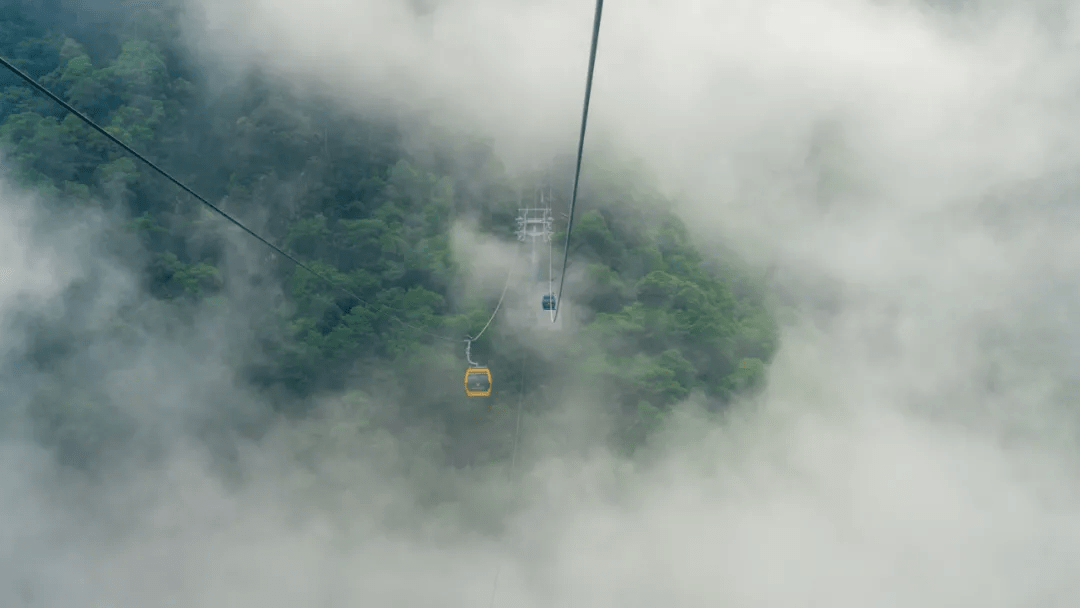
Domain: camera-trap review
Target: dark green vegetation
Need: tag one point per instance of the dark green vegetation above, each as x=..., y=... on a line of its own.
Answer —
x=341, y=194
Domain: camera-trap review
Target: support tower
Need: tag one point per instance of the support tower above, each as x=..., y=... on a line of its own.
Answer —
x=535, y=225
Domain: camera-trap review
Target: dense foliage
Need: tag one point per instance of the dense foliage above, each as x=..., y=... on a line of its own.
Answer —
x=340, y=193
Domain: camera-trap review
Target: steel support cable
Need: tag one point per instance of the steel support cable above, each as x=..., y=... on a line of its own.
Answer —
x=498, y=305
x=551, y=262
x=581, y=147
x=372, y=307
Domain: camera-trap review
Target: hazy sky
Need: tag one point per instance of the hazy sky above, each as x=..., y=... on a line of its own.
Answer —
x=916, y=445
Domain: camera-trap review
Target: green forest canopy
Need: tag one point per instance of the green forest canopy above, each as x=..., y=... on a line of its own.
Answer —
x=340, y=193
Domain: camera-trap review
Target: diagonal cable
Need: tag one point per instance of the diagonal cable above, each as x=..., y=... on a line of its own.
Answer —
x=580, y=149
x=29, y=80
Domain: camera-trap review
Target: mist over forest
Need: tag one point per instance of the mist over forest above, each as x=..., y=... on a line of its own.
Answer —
x=816, y=345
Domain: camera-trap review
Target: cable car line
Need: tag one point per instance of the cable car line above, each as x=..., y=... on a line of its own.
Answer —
x=478, y=377
x=498, y=305
x=551, y=262
x=548, y=302
x=374, y=308
x=581, y=147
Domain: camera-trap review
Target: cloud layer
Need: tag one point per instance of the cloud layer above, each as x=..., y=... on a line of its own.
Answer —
x=916, y=444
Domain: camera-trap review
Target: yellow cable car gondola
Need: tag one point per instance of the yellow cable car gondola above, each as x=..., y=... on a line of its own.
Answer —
x=477, y=378
x=478, y=382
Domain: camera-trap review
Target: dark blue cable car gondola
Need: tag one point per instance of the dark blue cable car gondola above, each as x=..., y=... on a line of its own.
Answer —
x=549, y=302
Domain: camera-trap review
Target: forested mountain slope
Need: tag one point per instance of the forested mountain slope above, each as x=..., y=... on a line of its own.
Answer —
x=341, y=193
